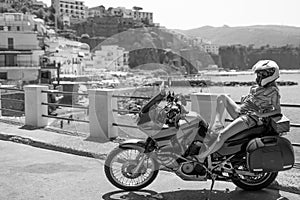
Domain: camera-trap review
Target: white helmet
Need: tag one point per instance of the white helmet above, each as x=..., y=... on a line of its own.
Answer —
x=267, y=71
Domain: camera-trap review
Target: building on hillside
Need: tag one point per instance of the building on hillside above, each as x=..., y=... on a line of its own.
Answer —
x=98, y=11
x=21, y=22
x=38, y=4
x=6, y=3
x=111, y=57
x=122, y=12
x=70, y=56
x=20, y=49
x=211, y=48
x=143, y=16
x=74, y=9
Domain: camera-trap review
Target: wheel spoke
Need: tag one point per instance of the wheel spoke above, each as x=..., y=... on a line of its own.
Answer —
x=124, y=162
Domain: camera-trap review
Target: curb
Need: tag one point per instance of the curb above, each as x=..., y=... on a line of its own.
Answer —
x=43, y=145
x=276, y=186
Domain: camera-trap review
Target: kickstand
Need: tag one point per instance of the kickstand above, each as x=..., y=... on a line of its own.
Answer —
x=213, y=179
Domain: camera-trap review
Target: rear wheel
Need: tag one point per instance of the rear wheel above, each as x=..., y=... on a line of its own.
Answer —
x=120, y=168
x=257, y=182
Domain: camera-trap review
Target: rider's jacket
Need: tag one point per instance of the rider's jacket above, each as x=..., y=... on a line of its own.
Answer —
x=261, y=99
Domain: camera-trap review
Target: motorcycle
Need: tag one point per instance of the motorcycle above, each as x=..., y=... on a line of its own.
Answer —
x=251, y=159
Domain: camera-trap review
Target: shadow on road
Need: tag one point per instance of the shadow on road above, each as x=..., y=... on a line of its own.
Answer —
x=266, y=194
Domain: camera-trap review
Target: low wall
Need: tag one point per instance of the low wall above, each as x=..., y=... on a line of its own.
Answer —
x=13, y=105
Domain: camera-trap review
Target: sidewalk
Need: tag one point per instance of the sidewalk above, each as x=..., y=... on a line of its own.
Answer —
x=54, y=139
x=58, y=140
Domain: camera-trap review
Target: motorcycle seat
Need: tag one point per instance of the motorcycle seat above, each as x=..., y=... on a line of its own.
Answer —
x=249, y=133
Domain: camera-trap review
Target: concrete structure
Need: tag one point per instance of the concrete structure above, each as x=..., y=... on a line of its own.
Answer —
x=19, y=47
x=100, y=114
x=75, y=9
x=33, y=105
x=110, y=57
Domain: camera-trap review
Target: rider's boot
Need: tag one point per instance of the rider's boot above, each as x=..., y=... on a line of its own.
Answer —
x=205, y=151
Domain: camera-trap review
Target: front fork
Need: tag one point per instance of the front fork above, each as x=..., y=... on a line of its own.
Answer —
x=141, y=159
x=150, y=146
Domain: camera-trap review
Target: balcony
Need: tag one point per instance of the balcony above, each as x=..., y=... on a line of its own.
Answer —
x=19, y=47
x=18, y=64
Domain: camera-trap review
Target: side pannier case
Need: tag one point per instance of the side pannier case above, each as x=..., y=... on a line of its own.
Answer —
x=269, y=154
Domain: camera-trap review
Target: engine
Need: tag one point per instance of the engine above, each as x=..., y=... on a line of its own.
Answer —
x=191, y=171
x=192, y=168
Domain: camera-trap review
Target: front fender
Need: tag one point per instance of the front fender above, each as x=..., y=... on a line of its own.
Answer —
x=132, y=143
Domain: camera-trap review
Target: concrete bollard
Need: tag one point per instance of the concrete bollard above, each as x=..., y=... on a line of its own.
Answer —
x=205, y=104
x=101, y=116
x=33, y=105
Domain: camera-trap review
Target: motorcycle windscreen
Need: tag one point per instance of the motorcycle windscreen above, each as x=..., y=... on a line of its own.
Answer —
x=144, y=115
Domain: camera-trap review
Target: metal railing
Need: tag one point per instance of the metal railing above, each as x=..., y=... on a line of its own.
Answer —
x=11, y=99
x=65, y=105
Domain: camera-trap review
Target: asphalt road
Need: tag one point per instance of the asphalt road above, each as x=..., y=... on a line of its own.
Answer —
x=32, y=173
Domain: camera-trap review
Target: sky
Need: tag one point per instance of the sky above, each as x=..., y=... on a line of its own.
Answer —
x=191, y=14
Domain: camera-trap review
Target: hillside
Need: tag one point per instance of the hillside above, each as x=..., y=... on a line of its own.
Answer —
x=259, y=35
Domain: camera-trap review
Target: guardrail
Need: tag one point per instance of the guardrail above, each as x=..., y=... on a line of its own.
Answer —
x=65, y=105
x=11, y=99
x=295, y=125
x=106, y=95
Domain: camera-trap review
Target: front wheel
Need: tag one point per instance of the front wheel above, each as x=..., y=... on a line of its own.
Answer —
x=130, y=169
x=253, y=183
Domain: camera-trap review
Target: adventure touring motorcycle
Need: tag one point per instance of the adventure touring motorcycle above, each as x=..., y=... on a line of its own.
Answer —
x=250, y=159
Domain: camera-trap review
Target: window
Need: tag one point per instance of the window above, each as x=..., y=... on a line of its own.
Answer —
x=1, y=28
x=10, y=42
x=9, y=28
x=18, y=28
x=3, y=75
x=11, y=60
x=18, y=17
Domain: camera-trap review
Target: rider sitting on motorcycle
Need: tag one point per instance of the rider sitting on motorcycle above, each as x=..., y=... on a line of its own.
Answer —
x=262, y=101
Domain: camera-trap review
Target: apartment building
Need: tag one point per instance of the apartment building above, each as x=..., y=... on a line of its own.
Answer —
x=211, y=48
x=20, y=51
x=123, y=12
x=73, y=9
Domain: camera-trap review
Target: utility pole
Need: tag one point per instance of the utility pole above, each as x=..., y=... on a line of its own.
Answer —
x=58, y=72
